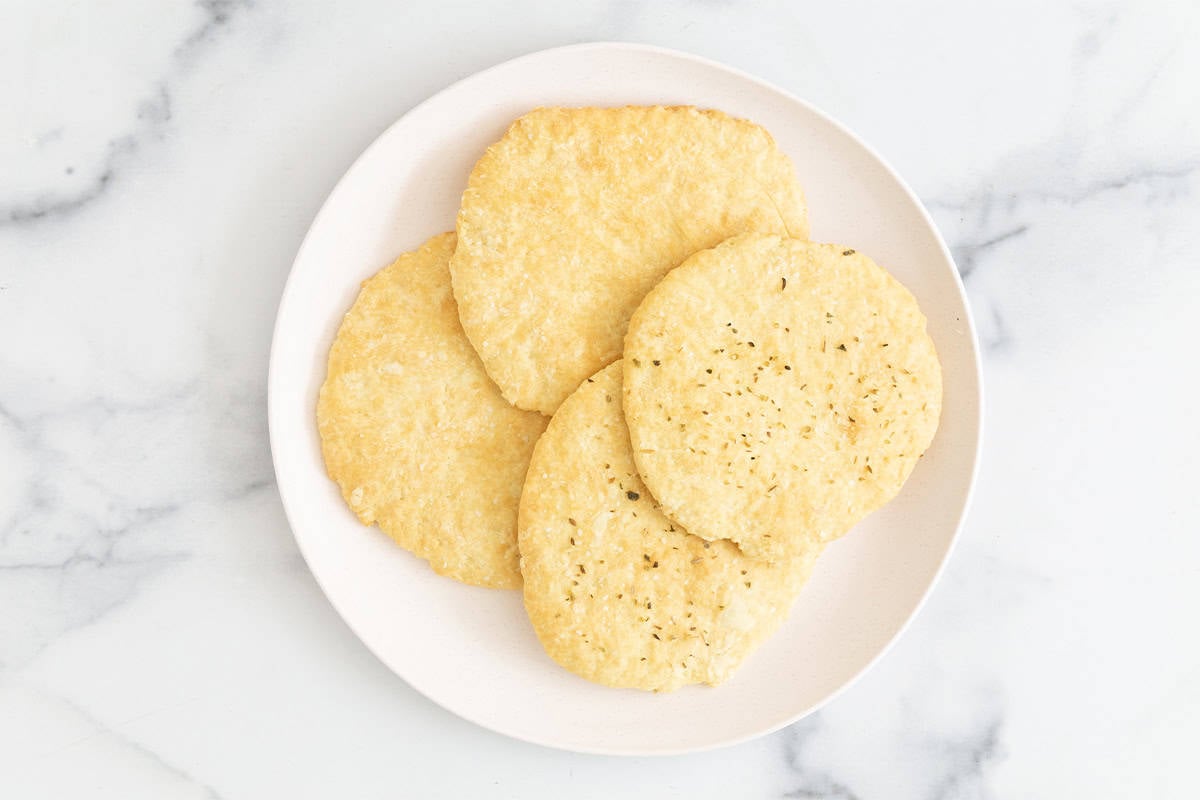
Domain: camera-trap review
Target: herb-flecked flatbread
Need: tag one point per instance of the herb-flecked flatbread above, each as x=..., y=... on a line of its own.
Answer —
x=616, y=592
x=777, y=391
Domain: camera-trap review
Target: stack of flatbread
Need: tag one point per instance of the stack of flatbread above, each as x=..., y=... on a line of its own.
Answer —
x=629, y=385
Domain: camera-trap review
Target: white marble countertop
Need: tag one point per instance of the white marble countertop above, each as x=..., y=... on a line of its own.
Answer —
x=159, y=163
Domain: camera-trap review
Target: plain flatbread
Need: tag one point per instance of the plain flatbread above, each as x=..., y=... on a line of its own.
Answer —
x=576, y=213
x=414, y=432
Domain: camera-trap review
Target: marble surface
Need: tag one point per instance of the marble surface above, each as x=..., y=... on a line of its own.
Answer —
x=159, y=163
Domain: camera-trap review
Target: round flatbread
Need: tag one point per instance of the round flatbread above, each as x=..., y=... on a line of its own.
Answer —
x=778, y=391
x=576, y=213
x=414, y=432
x=615, y=591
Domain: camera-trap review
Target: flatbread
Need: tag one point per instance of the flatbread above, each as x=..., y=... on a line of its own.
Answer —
x=576, y=213
x=615, y=591
x=414, y=432
x=778, y=391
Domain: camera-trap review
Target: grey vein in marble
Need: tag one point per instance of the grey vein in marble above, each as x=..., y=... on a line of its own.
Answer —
x=141, y=750
x=153, y=115
x=957, y=765
x=982, y=203
x=969, y=760
x=74, y=524
x=1002, y=210
x=967, y=254
x=815, y=783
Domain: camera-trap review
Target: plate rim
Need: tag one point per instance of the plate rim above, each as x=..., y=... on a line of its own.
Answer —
x=274, y=398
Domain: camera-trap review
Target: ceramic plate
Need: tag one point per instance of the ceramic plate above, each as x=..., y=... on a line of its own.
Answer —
x=472, y=650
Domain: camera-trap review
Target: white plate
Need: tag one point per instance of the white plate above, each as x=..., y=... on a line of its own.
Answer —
x=472, y=650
